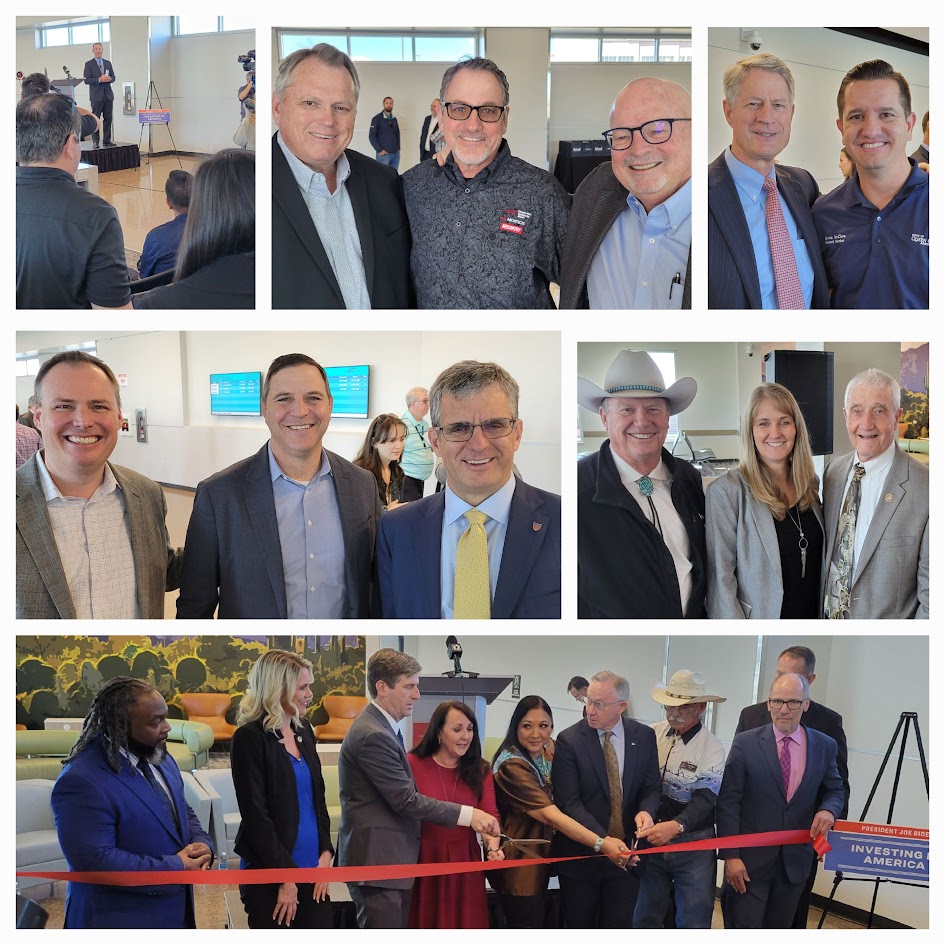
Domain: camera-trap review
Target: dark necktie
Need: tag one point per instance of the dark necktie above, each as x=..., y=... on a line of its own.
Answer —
x=786, y=765
x=145, y=769
x=786, y=280
x=400, y=738
x=615, y=826
x=101, y=67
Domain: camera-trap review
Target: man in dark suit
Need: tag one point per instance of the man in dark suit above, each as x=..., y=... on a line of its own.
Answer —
x=381, y=809
x=430, y=131
x=340, y=236
x=289, y=532
x=783, y=777
x=119, y=807
x=512, y=557
x=100, y=77
x=802, y=661
x=921, y=153
x=763, y=250
x=604, y=775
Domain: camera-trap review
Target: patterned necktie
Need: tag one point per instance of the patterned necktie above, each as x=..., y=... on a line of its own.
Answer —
x=400, y=738
x=837, y=604
x=145, y=769
x=786, y=280
x=471, y=591
x=615, y=826
x=786, y=764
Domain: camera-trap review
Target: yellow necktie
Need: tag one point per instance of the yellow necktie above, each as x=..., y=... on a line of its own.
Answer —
x=471, y=592
x=615, y=826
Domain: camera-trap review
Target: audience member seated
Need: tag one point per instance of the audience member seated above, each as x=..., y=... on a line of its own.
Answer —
x=216, y=262
x=380, y=454
x=160, y=245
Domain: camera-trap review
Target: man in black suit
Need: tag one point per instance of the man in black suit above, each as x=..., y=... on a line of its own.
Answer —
x=340, y=236
x=100, y=76
x=802, y=661
x=921, y=153
x=605, y=776
x=763, y=251
x=430, y=131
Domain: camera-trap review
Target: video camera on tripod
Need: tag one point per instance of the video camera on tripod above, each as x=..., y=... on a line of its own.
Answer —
x=248, y=62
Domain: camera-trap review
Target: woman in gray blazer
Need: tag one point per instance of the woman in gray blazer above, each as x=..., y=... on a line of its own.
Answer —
x=764, y=524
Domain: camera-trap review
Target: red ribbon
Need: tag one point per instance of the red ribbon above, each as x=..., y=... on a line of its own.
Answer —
x=367, y=874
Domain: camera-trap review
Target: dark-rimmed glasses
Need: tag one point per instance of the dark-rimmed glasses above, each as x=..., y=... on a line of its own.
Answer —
x=491, y=429
x=658, y=131
x=460, y=111
x=792, y=704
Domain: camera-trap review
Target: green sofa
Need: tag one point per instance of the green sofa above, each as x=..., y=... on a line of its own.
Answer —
x=39, y=754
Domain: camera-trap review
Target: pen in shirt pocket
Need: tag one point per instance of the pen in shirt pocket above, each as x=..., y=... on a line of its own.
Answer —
x=677, y=280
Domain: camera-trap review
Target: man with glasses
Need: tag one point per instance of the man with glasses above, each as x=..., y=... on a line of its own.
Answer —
x=630, y=231
x=782, y=776
x=417, y=459
x=691, y=760
x=487, y=227
x=70, y=252
x=488, y=545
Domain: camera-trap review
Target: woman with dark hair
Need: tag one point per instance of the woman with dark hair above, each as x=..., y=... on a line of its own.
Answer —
x=448, y=765
x=522, y=772
x=216, y=261
x=380, y=454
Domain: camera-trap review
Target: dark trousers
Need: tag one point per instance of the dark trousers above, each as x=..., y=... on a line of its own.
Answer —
x=260, y=902
x=413, y=489
x=604, y=901
x=803, y=904
x=379, y=907
x=769, y=902
x=523, y=912
x=103, y=110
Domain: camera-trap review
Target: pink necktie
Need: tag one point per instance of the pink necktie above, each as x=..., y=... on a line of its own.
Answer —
x=786, y=281
x=786, y=764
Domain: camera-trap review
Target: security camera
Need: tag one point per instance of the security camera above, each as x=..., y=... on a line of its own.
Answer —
x=753, y=38
x=750, y=350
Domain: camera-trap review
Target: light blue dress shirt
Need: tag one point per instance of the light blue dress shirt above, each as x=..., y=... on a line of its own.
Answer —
x=313, y=547
x=454, y=525
x=750, y=187
x=642, y=254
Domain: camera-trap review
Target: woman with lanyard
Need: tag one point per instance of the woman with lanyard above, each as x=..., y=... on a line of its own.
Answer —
x=380, y=455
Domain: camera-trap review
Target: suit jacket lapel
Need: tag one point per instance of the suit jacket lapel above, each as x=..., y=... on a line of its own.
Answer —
x=523, y=543
x=896, y=479
x=428, y=544
x=812, y=766
x=134, y=781
x=764, y=524
x=800, y=210
x=629, y=761
x=261, y=506
x=361, y=205
x=591, y=742
x=769, y=748
x=138, y=525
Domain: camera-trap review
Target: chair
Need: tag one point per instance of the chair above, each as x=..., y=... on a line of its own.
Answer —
x=197, y=799
x=152, y=282
x=225, y=815
x=342, y=711
x=37, y=845
x=209, y=708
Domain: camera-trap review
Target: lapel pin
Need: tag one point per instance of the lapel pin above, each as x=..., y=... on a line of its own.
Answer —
x=536, y=526
x=888, y=497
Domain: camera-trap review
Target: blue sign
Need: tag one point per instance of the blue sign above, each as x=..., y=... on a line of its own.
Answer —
x=888, y=857
x=154, y=116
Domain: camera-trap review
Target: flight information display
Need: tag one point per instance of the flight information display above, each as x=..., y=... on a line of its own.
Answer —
x=350, y=387
x=235, y=394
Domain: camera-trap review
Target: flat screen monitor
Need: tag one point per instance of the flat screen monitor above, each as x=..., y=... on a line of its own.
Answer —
x=235, y=394
x=350, y=387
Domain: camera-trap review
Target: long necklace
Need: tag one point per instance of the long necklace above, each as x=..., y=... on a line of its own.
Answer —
x=802, y=542
x=447, y=795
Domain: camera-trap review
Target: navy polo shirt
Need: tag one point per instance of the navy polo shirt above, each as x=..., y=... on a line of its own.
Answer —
x=160, y=247
x=876, y=258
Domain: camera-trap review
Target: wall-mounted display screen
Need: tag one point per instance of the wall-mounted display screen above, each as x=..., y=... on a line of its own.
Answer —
x=235, y=394
x=350, y=387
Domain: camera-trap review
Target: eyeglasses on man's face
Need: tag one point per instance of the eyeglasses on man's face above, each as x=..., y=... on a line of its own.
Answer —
x=658, y=131
x=792, y=704
x=460, y=111
x=597, y=705
x=491, y=429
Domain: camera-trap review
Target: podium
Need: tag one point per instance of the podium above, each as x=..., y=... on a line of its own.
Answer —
x=476, y=691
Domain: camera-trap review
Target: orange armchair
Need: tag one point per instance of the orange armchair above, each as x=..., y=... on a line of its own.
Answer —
x=342, y=711
x=209, y=708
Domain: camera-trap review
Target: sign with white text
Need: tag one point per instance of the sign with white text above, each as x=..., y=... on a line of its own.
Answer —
x=881, y=850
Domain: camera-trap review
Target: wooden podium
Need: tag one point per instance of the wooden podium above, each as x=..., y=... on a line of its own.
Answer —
x=476, y=691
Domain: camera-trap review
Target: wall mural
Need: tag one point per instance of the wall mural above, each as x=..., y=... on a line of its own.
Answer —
x=58, y=676
x=914, y=381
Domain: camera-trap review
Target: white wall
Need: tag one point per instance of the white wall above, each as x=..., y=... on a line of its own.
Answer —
x=819, y=59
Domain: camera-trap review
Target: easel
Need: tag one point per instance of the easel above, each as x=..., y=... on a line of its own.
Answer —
x=147, y=104
x=904, y=719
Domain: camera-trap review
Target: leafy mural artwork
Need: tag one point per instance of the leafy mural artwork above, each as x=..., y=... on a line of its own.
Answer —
x=58, y=676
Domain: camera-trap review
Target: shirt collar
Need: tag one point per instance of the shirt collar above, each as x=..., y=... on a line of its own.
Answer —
x=390, y=719
x=677, y=208
x=617, y=731
x=795, y=736
x=629, y=476
x=878, y=464
x=501, y=157
x=275, y=470
x=854, y=196
x=51, y=490
x=496, y=506
x=309, y=180
x=752, y=182
x=686, y=737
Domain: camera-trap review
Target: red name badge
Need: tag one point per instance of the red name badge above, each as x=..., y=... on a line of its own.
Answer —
x=513, y=221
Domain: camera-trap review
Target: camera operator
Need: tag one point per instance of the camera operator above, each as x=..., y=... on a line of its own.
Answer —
x=245, y=136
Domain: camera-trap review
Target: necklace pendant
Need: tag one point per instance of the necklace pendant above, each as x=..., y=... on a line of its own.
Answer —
x=803, y=561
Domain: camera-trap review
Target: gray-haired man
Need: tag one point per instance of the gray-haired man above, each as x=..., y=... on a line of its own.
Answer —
x=417, y=459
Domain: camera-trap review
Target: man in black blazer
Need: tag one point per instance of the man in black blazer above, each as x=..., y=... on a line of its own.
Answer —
x=586, y=786
x=431, y=130
x=340, y=236
x=802, y=661
x=759, y=106
x=289, y=532
x=99, y=75
x=921, y=153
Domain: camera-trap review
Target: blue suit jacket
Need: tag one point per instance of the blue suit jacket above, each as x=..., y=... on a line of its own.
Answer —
x=733, y=272
x=408, y=558
x=109, y=820
x=752, y=798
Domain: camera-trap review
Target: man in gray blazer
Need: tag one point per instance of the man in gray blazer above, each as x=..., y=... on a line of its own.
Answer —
x=91, y=541
x=888, y=573
x=381, y=809
x=289, y=532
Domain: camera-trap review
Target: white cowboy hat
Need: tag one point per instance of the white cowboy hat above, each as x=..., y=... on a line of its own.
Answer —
x=635, y=374
x=684, y=687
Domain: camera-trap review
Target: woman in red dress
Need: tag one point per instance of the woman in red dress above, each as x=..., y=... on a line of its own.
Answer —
x=448, y=765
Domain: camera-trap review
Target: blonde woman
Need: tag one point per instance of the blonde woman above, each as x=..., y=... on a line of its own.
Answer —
x=281, y=794
x=764, y=523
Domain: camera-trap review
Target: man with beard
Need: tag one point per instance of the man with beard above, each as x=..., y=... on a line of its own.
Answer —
x=119, y=807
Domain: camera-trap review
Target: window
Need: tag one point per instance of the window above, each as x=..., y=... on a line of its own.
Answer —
x=388, y=46
x=608, y=47
x=80, y=33
x=201, y=23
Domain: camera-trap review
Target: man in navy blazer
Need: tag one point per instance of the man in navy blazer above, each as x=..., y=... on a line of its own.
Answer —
x=779, y=777
x=600, y=894
x=759, y=106
x=476, y=432
x=119, y=807
x=99, y=76
x=289, y=532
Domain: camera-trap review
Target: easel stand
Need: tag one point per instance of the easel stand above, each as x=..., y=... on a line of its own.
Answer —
x=904, y=720
x=152, y=89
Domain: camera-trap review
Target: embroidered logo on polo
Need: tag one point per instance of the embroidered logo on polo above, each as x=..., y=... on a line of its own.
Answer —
x=514, y=221
x=920, y=238
x=835, y=240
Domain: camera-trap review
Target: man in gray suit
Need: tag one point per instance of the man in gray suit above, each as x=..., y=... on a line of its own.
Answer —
x=91, y=542
x=381, y=809
x=876, y=512
x=289, y=532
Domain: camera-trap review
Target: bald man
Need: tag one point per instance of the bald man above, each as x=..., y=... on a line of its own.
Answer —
x=630, y=230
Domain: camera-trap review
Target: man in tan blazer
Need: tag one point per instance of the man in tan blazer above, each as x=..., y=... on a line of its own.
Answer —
x=91, y=541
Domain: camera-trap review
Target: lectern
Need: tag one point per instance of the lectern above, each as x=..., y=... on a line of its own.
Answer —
x=477, y=692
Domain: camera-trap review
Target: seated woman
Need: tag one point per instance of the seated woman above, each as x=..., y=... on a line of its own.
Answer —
x=522, y=773
x=216, y=262
x=763, y=520
x=281, y=794
x=380, y=454
x=447, y=765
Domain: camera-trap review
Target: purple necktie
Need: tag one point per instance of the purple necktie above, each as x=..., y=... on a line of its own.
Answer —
x=786, y=280
x=786, y=764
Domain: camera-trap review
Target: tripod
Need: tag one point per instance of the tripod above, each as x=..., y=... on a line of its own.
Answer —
x=153, y=88
x=904, y=721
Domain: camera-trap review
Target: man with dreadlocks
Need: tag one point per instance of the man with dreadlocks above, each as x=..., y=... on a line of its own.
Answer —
x=119, y=807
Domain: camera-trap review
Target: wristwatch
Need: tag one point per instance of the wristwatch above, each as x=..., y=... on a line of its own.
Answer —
x=682, y=829
x=598, y=844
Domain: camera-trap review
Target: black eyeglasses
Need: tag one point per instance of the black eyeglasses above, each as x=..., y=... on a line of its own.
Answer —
x=658, y=131
x=794, y=704
x=491, y=429
x=460, y=111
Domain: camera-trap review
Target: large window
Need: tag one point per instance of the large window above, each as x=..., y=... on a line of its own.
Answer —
x=366, y=46
x=201, y=23
x=609, y=47
x=80, y=33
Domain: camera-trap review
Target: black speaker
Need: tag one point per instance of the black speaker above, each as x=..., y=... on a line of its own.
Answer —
x=808, y=375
